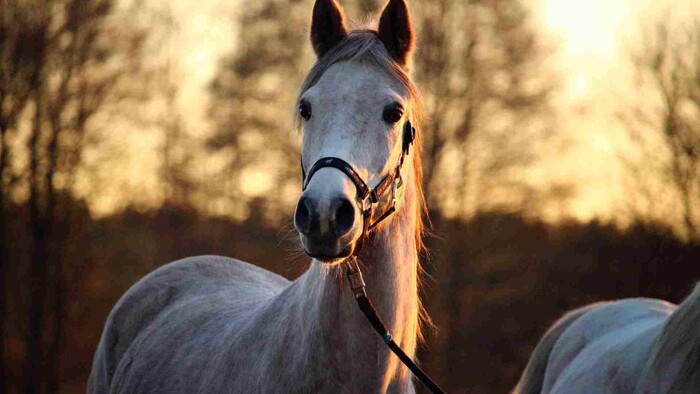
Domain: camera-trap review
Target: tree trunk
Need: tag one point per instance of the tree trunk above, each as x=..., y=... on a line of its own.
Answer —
x=3, y=252
x=58, y=303
x=688, y=217
x=55, y=240
x=34, y=372
x=4, y=261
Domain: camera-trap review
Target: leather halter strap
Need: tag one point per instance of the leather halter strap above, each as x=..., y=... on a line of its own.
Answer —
x=367, y=196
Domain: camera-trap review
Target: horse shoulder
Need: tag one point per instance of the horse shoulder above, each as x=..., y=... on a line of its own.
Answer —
x=156, y=293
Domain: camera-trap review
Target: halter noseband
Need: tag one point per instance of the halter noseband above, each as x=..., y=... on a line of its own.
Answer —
x=368, y=197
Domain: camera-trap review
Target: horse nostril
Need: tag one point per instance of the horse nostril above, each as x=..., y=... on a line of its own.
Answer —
x=302, y=216
x=344, y=216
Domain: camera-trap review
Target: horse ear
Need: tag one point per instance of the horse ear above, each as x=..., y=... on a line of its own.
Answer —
x=327, y=26
x=396, y=32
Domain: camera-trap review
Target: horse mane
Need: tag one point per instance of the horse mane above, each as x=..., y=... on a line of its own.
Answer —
x=680, y=339
x=363, y=45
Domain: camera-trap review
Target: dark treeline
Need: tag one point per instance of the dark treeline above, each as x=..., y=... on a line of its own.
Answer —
x=497, y=281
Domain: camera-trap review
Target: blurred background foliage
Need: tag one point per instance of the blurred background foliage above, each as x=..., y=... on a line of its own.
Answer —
x=93, y=92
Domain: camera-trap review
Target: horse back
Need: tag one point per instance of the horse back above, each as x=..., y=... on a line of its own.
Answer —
x=160, y=291
x=600, y=348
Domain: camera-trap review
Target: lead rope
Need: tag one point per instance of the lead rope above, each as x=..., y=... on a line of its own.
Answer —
x=369, y=197
x=357, y=284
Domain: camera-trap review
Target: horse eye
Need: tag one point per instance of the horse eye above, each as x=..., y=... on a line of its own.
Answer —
x=305, y=110
x=393, y=114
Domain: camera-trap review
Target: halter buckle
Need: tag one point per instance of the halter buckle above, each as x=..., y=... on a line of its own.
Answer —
x=357, y=283
x=399, y=180
x=394, y=187
x=366, y=203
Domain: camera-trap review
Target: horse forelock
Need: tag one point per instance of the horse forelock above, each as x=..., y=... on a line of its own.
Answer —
x=363, y=45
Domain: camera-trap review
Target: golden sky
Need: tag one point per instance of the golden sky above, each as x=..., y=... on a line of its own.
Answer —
x=591, y=39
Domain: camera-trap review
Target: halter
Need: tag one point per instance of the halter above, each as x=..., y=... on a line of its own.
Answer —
x=367, y=199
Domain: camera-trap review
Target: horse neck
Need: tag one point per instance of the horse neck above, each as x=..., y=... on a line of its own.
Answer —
x=674, y=365
x=389, y=263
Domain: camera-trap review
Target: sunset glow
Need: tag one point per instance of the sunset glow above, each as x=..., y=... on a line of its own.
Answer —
x=519, y=158
x=587, y=27
x=590, y=42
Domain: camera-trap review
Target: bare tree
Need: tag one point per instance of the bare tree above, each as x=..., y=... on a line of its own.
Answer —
x=664, y=127
x=480, y=68
x=487, y=96
x=62, y=61
x=253, y=96
x=177, y=145
x=19, y=30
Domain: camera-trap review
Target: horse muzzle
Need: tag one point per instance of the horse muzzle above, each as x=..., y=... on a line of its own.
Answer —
x=327, y=226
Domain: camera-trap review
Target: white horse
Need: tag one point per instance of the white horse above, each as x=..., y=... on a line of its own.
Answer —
x=635, y=345
x=214, y=324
